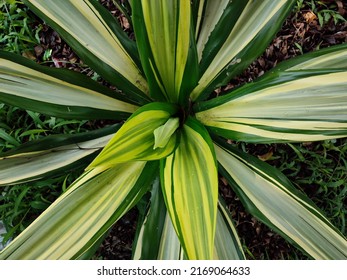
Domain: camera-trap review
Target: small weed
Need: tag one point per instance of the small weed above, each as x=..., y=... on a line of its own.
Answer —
x=324, y=11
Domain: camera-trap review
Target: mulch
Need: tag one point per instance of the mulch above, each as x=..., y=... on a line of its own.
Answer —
x=301, y=32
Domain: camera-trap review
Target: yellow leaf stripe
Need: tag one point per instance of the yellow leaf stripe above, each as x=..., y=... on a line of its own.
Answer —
x=190, y=187
x=86, y=25
x=168, y=25
x=254, y=17
x=135, y=139
x=293, y=216
x=307, y=109
x=75, y=217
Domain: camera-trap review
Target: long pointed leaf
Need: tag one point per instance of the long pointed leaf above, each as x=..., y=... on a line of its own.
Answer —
x=71, y=225
x=269, y=196
x=135, y=140
x=334, y=57
x=190, y=187
x=98, y=39
x=158, y=239
x=57, y=92
x=227, y=244
x=305, y=105
x=249, y=30
x=168, y=51
x=147, y=241
x=52, y=156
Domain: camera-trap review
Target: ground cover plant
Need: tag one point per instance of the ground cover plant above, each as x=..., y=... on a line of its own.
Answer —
x=168, y=130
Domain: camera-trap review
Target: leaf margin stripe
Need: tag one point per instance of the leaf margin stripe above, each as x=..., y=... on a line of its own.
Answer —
x=64, y=238
x=278, y=180
x=279, y=108
x=197, y=243
x=135, y=139
x=52, y=156
x=123, y=70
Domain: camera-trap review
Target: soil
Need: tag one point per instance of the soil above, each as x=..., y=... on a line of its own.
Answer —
x=300, y=33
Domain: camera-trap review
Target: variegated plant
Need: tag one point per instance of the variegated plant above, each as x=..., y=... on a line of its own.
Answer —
x=170, y=149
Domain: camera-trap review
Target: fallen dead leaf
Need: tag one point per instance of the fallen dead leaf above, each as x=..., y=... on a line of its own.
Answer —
x=310, y=17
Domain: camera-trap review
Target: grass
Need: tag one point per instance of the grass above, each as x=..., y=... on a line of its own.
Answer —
x=16, y=33
x=319, y=169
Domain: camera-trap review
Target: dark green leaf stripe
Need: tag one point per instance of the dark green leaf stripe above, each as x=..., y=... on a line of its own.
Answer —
x=305, y=105
x=150, y=230
x=52, y=156
x=97, y=38
x=218, y=20
x=135, y=140
x=168, y=52
x=57, y=92
x=190, y=186
x=76, y=220
x=255, y=27
x=270, y=197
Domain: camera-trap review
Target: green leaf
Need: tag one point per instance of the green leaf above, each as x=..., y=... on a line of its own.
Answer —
x=306, y=105
x=227, y=244
x=52, y=156
x=269, y=196
x=8, y=138
x=99, y=41
x=80, y=217
x=157, y=238
x=57, y=92
x=334, y=57
x=230, y=42
x=168, y=51
x=190, y=187
x=135, y=140
x=163, y=133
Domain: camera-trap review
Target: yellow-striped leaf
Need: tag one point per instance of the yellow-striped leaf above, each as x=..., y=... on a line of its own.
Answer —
x=334, y=57
x=135, y=139
x=52, y=156
x=227, y=244
x=77, y=219
x=190, y=187
x=269, y=196
x=98, y=39
x=305, y=105
x=158, y=239
x=232, y=36
x=57, y=92
x=164, y=28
